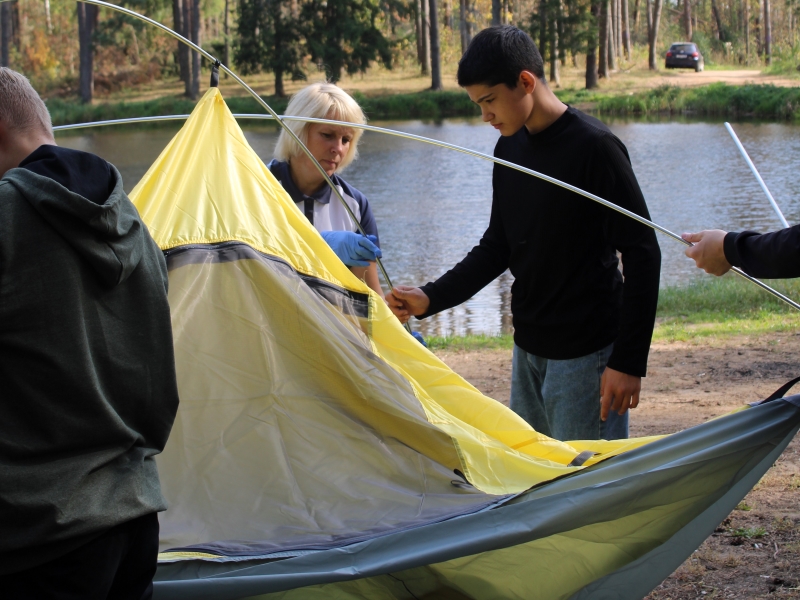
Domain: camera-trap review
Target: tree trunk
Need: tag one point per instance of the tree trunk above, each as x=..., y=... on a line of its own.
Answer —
x=496, y=9
x=87, y=19
x=195, y=30
x=649, y=12
x=280, y=92
x=186, y=21
x=426, y=38
x=5, y=32
x=767, y=33
x=653, y=41
x=48, y=20
x=687, y=18
x=418, y=30
x=226, y=56
x=543, y=28
x=618, y=27
x=436, y=59
x=747, y=32
x=612, y=37
x=602, y=69
x=635, y=16
x=463, y=25
x=555, y=79
x=178, y=24
x=448, y=14
x=591, y=48
x=717, y=19
x=626, y=38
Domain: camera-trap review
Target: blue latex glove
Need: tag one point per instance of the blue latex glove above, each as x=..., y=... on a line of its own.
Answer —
x=353, y=249
x=418, y=336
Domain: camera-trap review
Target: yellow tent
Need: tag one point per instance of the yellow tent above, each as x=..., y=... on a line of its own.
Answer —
x=320, y=448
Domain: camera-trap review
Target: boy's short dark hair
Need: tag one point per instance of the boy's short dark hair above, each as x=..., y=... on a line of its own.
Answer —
x=498, y=55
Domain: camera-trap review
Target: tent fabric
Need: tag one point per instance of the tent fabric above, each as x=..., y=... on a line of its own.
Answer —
x=321, y=450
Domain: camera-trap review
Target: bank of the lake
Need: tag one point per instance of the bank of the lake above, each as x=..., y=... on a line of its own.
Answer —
x=767, y=102
x=419, y=105
x=712, y=307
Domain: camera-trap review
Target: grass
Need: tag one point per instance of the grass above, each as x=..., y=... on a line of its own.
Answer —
x=419, y=105
x=724, y=306
x=716, y=99
x=712, y=307
x=748, y=533
x=471, y=342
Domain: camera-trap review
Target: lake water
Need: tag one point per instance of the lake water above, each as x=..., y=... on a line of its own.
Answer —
x=432, y=205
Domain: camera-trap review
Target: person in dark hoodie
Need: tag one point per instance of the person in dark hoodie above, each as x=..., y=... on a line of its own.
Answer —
x=774, y=255
x=88, y=392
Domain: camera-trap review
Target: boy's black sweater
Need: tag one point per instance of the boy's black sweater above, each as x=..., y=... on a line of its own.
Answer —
x=774, y=255
x=568, y=297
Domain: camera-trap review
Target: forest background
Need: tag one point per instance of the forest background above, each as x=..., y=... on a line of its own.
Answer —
x=75, y=50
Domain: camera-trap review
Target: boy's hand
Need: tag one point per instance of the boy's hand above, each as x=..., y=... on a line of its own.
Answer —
x=406, y=301
x=708, y=251
x=618, y=392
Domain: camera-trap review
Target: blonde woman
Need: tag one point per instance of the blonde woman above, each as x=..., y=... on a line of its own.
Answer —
x=334, y=147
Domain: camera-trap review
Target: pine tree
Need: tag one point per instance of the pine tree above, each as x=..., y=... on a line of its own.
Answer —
x=269, y=40
x=342, y=35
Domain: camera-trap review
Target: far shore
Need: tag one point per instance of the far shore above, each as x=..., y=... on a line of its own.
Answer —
x=402, y=94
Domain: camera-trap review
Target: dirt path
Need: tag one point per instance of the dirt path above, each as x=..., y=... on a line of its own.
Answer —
x=755, y=553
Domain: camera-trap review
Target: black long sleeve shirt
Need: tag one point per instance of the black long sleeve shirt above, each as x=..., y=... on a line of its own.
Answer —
x=773, y=255
x=568, y=296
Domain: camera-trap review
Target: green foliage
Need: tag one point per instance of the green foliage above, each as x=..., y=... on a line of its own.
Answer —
x=343, y=35
x=420, y=105
x=749, y=533
x=576, y=27
x=269, y=39
x=766, y=101
x=721, y=298
x=471, y=342
x=65, y=112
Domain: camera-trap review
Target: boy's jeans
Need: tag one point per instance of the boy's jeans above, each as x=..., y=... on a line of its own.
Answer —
x=561, y=398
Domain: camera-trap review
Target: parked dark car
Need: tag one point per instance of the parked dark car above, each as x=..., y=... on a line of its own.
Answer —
x=684, y=55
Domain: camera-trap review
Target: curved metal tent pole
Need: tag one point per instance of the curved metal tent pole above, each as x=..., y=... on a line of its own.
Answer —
x=463, y=150
x=258, y=99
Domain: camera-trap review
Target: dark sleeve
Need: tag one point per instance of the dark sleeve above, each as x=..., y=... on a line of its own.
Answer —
x=484, y=263
x=641, y=257
x=772, y=255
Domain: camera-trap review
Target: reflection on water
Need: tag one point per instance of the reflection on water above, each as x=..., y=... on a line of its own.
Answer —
x=432, y=205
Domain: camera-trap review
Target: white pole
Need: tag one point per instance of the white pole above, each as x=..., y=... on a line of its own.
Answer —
x=757, y=174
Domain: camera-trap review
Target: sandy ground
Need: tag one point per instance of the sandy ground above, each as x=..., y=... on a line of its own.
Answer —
x=755, y=552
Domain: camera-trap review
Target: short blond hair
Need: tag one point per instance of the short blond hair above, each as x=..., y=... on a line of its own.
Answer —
x=21, y=108
x=319, y=101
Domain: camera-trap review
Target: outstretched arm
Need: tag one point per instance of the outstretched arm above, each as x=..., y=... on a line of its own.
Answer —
x=773, y=255
x=708, y=251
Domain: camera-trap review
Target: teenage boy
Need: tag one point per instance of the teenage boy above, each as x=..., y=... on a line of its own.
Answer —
x=774, y=255
x=87, y=373
x=581, y=332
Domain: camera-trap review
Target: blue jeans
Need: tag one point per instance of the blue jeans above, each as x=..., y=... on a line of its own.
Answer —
x=561, y=398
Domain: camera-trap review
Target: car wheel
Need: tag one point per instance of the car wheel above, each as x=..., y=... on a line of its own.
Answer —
x=698, y=67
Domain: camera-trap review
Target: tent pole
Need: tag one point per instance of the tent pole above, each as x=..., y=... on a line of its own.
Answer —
x=763, y=185
x=258, y=99
x=468, y=152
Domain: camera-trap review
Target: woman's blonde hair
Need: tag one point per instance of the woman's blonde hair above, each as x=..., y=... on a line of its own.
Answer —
x=21, y=108
x=319, y=101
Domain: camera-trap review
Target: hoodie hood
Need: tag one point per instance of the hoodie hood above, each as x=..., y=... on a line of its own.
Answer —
x=108, y=235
